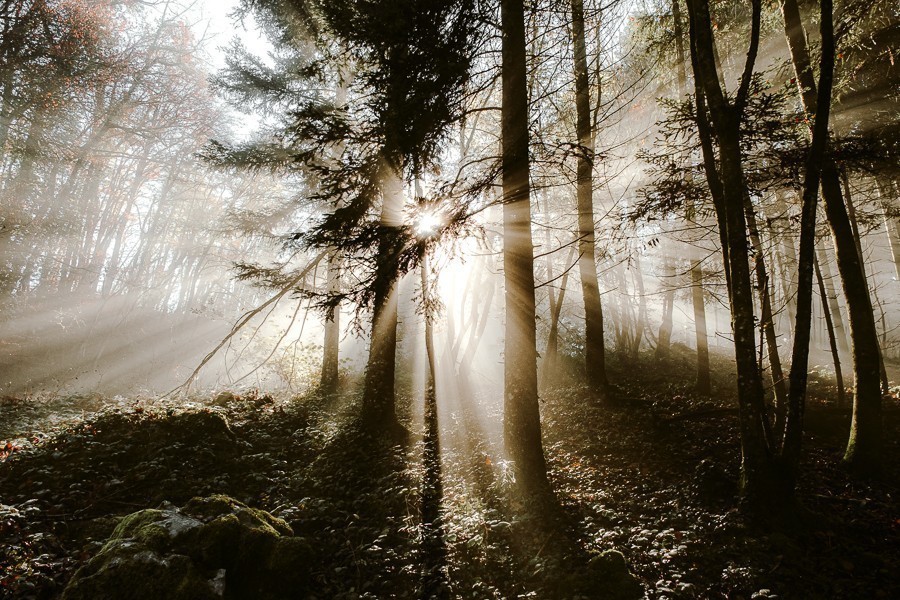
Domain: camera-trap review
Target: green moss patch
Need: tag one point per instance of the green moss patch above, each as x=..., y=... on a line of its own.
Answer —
x=215, y=547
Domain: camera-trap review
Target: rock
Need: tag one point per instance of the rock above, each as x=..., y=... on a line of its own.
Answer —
x=214, y=547
x=211, y=425
x=223, y=399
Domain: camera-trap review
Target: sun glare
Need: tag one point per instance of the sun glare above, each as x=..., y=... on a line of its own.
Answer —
x=427, y=224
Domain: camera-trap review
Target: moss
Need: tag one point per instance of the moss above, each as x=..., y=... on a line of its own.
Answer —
x=214, y=507
x=141, y=526
x=128, y=571
x=210, y=425
x=261, y=558
x=171, y=553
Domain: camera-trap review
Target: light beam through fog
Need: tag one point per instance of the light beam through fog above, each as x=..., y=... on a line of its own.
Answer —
x=449, y=298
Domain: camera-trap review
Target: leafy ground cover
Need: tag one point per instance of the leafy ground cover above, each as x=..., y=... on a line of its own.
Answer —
x=650, y=472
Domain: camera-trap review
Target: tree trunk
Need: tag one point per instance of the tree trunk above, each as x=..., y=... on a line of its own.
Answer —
x=703, y=376
x=728, y=189
x=379, y=408
x=434, y=583
x=834, y=307
x=767, y=321
x=793, y=434
x=703, y=379
x=665, y=329
x=594, y=350
x=832, y=341
x=788, y=260
x=331, y=346
x=641, y=323
x=549, y=363
x=521, y=412
x=851, y=212
x=887, y=195
x=863, y=452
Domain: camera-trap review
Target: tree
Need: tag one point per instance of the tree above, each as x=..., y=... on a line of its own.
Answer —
x=703, y=378
x=521, y=412
x=594, y=351
x=727, y=186
x=863, y=452
x=764, y=481
x=390, y=129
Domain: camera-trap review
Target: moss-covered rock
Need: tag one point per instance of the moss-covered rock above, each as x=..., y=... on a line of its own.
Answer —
x=212, y=426
x=214, y=547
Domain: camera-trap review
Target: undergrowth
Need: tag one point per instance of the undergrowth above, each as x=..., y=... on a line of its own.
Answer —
x=650, y=471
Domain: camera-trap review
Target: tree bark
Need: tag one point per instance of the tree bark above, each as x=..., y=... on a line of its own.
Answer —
x=549, y=362
x=379, y=405
x=703, y=376
x=793, y=434
x=832, y=340
x=594, y=350
x=863, y=453
x=728, y=188
x=664, y=340
x=641, y=323
x=834, y=307
x=521, y=412
x=767, y=321
x=331, y=344
x=854, y=224
x=887, y=195
x=703, y=385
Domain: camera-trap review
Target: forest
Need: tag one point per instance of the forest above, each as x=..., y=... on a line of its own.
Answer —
x=449, y=299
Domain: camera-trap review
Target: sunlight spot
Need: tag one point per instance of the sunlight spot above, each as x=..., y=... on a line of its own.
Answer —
x=427, y=224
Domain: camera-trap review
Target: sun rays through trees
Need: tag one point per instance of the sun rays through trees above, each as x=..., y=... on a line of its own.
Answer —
x=449, y=298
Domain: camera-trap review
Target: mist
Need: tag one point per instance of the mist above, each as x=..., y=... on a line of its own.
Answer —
x=469, y=278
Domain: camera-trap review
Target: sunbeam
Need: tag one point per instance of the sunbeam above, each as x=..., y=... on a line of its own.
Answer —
x=449, y=299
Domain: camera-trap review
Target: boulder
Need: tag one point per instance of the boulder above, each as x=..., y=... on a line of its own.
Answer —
x=213, y=547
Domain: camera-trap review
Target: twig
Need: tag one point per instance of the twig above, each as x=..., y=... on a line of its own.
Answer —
x=244, y=320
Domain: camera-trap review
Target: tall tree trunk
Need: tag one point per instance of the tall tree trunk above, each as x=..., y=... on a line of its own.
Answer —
x=641, y=323
x=703, y=385
x=434, y=584
x=832, y=340
x=664, y=341
x=863, y=452
x=788, y=260
x=834, y=307
x=793, y=435
x=521, y=412
x=851, y=212
x=379, y=404
x=767, y=321
x=331, y=345
x=328, y=382
x=549, y=362
x=703, y=376
x=594, y=350
x=887, y=195
x=728, y=189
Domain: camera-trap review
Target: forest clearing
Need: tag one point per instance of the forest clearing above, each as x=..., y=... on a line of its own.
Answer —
x=449, y=299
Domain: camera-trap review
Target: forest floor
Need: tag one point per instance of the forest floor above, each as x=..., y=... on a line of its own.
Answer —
x=651, y=473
